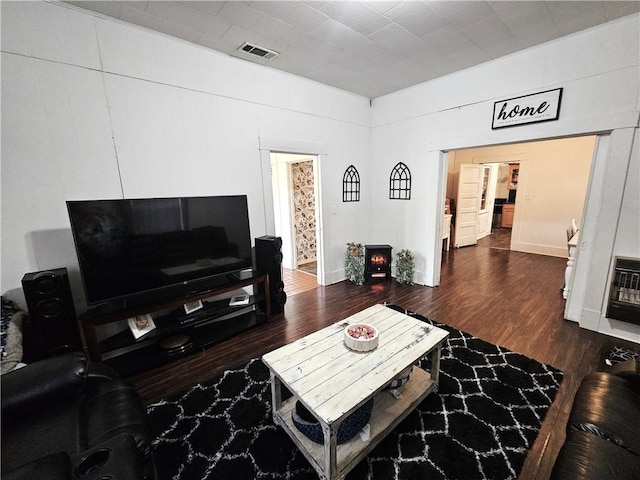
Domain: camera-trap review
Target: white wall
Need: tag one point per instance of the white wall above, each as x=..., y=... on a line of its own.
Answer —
x=94, y=108
x=599, y=71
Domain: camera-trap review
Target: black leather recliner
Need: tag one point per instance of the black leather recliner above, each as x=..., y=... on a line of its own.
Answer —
x=603, y=430
x=66, y=417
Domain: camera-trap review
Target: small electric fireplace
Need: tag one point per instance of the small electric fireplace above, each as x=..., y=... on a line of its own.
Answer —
x=377, y=261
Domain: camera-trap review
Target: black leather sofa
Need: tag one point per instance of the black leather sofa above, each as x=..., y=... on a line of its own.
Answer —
x=68, y=418
x=603, y=429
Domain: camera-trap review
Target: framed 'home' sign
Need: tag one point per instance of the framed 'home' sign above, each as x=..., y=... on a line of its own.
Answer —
x=534, y=108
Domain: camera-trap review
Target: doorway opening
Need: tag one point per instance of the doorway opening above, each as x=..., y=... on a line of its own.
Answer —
x=522, y=194
x=295, y=203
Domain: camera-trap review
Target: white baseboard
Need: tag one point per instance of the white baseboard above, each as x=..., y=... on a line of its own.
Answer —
x=548, y=250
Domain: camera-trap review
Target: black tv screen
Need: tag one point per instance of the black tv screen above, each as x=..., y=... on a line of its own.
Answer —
x=129, y=247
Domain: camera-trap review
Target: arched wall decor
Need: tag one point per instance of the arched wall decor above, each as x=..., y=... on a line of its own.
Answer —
x=400, y=182
x=351, y=185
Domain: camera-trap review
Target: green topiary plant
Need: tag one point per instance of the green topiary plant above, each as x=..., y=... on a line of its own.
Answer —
x=354, y=263
x=405, y=266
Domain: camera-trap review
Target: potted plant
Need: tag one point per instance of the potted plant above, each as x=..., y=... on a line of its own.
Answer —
x=354, y=263
x=405, y=266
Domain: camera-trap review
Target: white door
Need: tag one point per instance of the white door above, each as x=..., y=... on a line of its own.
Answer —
x=468, y=204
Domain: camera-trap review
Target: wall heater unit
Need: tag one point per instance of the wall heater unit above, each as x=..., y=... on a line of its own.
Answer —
x=624, y=296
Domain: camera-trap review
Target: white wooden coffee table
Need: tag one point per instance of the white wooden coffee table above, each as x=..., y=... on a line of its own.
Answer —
x=332, y=381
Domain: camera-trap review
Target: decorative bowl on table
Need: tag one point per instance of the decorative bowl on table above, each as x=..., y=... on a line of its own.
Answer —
x=361, y=337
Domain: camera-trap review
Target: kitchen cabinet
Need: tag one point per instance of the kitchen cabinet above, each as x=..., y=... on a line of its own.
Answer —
x=508, y=210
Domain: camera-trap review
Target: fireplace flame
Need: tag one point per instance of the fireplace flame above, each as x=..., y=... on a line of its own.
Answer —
x=378, y=259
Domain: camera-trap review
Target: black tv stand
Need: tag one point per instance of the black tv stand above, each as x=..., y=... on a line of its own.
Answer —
x=177, y=333
x=240, y=275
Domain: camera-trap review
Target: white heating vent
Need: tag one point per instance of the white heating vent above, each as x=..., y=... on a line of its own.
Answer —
x=259, y=51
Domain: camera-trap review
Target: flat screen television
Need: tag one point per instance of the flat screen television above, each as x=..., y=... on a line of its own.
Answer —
x=145, y=249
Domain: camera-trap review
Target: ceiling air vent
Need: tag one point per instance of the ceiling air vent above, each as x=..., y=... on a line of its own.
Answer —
x=258, y=51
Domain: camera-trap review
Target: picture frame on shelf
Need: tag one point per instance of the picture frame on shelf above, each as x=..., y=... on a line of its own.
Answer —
x=141, y=325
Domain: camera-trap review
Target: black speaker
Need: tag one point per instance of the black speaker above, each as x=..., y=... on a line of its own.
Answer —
x=52, y=326
x=269, y=261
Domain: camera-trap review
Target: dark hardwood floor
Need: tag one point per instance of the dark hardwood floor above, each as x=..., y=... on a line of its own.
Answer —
x=500, y=238
x=310, y=267
x=508, y=298
x=297, y=281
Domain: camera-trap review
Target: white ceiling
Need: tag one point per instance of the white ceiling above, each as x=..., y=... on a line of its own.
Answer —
x=368, y=47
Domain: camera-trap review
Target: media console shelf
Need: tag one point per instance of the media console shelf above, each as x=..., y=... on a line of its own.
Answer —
x=177, y=333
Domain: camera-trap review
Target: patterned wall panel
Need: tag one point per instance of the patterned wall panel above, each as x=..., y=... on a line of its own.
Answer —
x=304, y=204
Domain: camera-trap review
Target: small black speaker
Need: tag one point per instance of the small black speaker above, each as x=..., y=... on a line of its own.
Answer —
x=269, y=261
x=52, y=325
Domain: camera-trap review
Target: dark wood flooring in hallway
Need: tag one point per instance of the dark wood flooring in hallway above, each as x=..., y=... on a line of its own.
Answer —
x=508, y=298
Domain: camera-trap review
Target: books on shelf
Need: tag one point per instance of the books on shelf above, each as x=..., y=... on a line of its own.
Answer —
x=141, y=325
x=239, y=300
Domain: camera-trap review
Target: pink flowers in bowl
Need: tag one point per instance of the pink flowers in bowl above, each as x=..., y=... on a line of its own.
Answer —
x=361, y=331
x=361, y=337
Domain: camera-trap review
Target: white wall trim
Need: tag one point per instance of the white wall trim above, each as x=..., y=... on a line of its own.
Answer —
x=584, y=252
x=267, y=145
x=601, y=216
x=431, y=275
x=292, y=146
x=267, y=192
x=506, y=158
x=578, y=128
x=539, y=249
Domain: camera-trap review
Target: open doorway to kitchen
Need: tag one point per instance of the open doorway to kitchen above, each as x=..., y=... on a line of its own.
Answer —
x=528, y=193
x=294, y=183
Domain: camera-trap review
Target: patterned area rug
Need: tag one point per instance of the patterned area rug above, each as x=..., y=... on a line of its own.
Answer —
x=480, y=425
x=620, y=354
